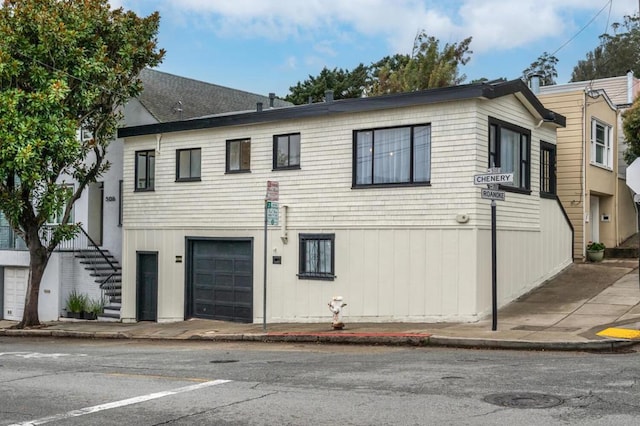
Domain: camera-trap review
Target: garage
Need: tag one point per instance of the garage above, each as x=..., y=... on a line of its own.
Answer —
x=220, y=279
x=15, y=290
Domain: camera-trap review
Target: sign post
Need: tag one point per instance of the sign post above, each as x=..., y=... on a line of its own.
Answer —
x=270, y=218
x=493, y=179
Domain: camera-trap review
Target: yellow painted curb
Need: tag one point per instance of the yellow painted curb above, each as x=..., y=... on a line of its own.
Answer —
x=620, y=333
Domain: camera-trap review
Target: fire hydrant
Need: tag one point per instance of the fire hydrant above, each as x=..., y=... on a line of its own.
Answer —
x=335, y=305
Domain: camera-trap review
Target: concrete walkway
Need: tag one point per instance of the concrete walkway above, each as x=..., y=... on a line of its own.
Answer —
x=566, y=313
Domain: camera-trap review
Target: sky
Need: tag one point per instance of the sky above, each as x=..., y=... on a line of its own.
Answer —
x=265, y=46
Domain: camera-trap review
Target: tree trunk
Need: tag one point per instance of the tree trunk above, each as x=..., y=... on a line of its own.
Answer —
x=37, y=264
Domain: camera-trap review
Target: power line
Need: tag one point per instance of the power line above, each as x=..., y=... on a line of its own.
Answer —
x=609, y=3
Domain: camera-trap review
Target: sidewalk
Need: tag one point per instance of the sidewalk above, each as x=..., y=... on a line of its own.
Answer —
x=566, y=313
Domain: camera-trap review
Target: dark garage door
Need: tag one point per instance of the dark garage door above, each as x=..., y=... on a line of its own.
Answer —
x=220, y=283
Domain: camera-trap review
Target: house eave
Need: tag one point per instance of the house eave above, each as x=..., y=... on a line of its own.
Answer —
x=325, y=109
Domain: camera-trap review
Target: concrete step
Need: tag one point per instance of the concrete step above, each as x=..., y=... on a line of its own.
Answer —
x=621, y=253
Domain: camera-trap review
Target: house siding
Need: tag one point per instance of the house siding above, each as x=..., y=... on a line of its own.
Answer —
x=400, y=253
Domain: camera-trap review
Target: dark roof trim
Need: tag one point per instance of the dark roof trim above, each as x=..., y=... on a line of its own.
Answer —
x=321, y=109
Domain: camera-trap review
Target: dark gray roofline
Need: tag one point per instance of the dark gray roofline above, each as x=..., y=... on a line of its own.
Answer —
x=321, y=109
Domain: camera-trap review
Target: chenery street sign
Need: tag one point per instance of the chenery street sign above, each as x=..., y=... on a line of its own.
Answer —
x=493, y=178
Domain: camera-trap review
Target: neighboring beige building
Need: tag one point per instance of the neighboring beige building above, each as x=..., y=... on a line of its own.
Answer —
x=377, y=204
x=590, y=168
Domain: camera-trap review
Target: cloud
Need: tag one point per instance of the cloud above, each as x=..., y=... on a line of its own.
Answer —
x=493, y=24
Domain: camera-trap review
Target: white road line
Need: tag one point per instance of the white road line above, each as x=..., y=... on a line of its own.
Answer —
x=121, y=403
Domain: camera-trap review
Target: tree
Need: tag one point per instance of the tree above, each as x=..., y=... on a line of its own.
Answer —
x=617, y=53
x=344, y=83
x=631, y=128
x=427, y=67
x=545, y=66
x=64, y=65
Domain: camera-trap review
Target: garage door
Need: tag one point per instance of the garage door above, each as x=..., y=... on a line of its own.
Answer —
x=220, y=280
x=15, y=290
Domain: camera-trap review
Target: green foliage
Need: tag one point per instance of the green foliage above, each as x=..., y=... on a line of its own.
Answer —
x=631, y=128
x=344, y=83
x=76, y=302
x=616, y=54
x=425, y=68
x=595, y=246
x=545, y=66
x=63, y=65
x=95, y=306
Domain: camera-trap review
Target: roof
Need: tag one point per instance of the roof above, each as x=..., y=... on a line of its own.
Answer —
x=170, y=97
x=324, y=109
x=618, y=88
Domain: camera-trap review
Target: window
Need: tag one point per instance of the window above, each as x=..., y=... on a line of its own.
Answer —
x=399, y=155
x=547, y=168
x=286, y=151
x=145, y=170
x=509, y=149
x=601, y=153
x=187, y=164
x=239, y=155
x=317, y=256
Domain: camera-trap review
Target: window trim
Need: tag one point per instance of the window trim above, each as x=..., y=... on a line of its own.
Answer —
x=327, y=276
x=275, y=151
x=190, y=178
x=411, y=182
x=148, y=185
x=607, y=145
x=525, y=160
x=228, y=156
x=553, y=180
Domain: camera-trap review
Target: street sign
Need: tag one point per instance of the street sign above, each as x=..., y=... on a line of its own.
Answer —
x=272, y=213
x=273, y=191
x=492, y=194
x=492, y=178
x=633, y=176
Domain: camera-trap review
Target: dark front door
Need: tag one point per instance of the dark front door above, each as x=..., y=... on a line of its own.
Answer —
x=147, y=286
x=220, y=278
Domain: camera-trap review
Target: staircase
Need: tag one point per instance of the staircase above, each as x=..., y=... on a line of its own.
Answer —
x=108, y=275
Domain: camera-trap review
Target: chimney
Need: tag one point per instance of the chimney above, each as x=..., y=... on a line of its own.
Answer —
x=534, y=83
x=272, y=98
x=328, y=96
x=259, y=107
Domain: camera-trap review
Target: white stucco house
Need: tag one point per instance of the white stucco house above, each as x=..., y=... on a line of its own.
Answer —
x=377, y=204
x=80, y=264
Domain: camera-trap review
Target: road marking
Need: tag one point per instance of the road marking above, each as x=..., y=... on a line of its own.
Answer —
x=28, y=355
x=118, y=404
x=620, y=333
x=159, y=376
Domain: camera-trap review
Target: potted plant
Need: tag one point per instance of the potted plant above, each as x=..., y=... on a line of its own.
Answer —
x=76, y=304
x=93, y=309
x=595, y=251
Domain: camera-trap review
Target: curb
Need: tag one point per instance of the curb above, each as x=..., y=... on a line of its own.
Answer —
x=388, y=339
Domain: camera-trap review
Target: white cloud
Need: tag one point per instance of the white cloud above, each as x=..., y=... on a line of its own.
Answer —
x=493, y=24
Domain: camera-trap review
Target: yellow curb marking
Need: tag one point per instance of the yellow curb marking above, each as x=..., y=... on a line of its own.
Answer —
x=621, y=333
